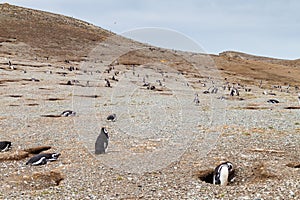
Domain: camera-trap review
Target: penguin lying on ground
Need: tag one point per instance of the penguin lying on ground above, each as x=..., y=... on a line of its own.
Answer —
x=42, y=159
x=5, y=146
x=68, y=113
x=111, y=117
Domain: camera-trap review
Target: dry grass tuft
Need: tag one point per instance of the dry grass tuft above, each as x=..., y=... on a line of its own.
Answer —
x=37, y=150
x=17, y=155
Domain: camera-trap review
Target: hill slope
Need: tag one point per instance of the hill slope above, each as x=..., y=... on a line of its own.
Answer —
x=34, y=34
x=47, y=34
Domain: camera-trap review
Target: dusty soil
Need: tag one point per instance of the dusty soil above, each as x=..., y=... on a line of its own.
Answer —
x=163, y=145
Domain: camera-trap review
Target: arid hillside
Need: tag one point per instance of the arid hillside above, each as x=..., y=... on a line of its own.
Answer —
x=177, y=116
x=46, y=35
x=38, y=34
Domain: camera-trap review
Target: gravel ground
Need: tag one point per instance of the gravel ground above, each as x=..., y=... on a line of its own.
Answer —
x=161, y=142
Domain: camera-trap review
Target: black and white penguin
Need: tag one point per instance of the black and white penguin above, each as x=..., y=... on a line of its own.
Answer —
x=102, y=142
x=223, y=173
x=68, y=113
x=107, y=84
x=146, y=84
x=273, y=101
x=51, y=156
x=5, y=146
x=196, y=100
x=234, y=91
x=152, y=87
x=42, y=159
x=112, y=117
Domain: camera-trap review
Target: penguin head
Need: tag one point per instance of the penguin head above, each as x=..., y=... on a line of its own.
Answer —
x=103, y=130
x=229, y=165
x=55, y=155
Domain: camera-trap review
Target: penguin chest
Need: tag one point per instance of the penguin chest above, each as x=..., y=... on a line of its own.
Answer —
x=223, y=176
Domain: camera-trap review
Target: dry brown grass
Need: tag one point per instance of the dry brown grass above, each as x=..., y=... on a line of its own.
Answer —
x=17, y=155
x=37, y=150
x=36, y=180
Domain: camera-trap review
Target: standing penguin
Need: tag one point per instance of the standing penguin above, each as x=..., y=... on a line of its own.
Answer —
x=196, y=100
x=223, y=173
x=234, y=91
x=102, y=142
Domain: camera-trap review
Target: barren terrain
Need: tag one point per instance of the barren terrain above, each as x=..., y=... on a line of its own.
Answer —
x=162, y=145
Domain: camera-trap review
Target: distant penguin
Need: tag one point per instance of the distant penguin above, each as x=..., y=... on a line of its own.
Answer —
x=159, y=82
x=42, y=159
x=4, y=146
x=152, y=87
x=223, y=174
x=107, y=84
x=102, y=142
x=234, y=91
x=114, y=78
x=196, y=100
x=146, y=84
x=214, y=90
x=111, y=117
x=273, y=101
x=299, y=98
x=68, y=113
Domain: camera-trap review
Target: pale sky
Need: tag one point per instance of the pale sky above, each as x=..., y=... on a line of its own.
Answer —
x=260, y=27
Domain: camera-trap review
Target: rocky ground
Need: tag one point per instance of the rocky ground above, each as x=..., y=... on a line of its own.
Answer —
x=162, y=145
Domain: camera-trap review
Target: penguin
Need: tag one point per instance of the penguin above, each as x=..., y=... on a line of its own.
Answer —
x=234, y=91
x=114, y=78
x=107, y=84
x=68, y=113
x=146, y=84
x=112, y=117
x=159, y=82
x=273, y=101
x=102, y=142
x=51, y=156
x=42, y=159
x=5, y=146
x=37, y=160
x=214, y=90
x=196, y=100
x=223, y=174
x=152, y=87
